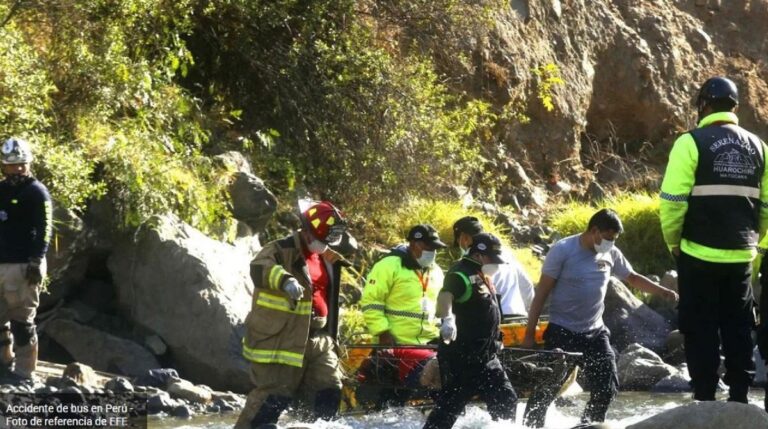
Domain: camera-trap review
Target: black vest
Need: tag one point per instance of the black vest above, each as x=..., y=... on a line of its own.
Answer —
x=724, y=205
x=477, y=314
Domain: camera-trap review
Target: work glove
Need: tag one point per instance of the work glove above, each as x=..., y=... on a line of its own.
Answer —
x=34, y=272
x=448, y=329
x=293, y=289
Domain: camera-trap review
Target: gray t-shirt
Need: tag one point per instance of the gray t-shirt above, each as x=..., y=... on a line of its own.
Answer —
x=576, y=302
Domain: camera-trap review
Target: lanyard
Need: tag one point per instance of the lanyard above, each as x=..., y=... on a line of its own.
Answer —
x=487, y=282
x=424, y=282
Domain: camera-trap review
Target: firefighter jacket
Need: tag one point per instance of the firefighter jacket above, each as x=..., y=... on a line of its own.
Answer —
x=715, y=192
x=277, y=327
x=400, y=296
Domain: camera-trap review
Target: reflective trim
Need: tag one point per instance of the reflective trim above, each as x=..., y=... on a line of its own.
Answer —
x=674, y=198
x=377, y=307
x=764, y=205
x=273, y=356
x=467, y=288
x=275, y=274
x=726, y=190
x=280, y=303
x=408, y=314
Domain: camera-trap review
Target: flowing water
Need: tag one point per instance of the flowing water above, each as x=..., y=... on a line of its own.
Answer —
x=628, y=408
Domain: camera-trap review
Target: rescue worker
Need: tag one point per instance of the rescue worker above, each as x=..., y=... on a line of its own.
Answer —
x=26, y=215
x=290, y=329
x=576, y=273
x=471, y=337
x=714, y=205
x=513, y=285
x=762, y=330
x=399, y=296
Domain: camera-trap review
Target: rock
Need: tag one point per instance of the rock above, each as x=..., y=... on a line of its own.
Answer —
x=676, y=383
x=100, y=350
x=156, y=345
x=160, y=402
x=192, y=291
x=182, y=412
x=252, y=202
x=675, y=350
x=160, y=377
x=82, y=374
x=595, y=192
x=61, y=382
x=183, y=389
x=67, y=257
x=631, y=321
x=707, y=415
x=234, y=161
x=119, y=385
x=213, y=409
x=640, y=368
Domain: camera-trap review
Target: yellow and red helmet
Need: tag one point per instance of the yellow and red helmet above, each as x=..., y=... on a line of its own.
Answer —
x=325, y=222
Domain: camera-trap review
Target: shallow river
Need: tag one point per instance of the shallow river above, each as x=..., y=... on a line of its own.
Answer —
x=629, y=408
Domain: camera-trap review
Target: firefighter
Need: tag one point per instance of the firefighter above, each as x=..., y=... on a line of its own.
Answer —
x=290, y=329
x=714, y=207
x=468, y=354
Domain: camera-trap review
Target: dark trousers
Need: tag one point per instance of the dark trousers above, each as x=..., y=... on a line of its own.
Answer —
x=466, y=377
x=716, y=304
x=598, y=363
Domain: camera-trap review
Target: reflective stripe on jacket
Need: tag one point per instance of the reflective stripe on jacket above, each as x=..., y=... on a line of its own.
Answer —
x=392, y=300
x=277, y=327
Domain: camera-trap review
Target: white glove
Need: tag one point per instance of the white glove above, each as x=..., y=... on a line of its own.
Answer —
x=293, y=289
x=448, y=329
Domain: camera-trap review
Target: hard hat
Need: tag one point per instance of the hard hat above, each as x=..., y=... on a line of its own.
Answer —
x=715, y=89
x=325, y=222
x=16, y=151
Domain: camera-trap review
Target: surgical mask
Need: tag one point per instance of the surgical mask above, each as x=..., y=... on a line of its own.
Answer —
x=427, y=258
x=605, y=246
x=317, y=246
x=490, y=269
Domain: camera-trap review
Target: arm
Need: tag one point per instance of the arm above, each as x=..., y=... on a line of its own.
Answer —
x=640, y=282
x=375, y=293
x=444, y=304
x=546, y=284
x=42, y=221
x=266, y=271
x=677, y=185
x=763, y=222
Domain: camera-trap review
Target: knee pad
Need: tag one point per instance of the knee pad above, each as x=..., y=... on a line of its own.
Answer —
x=23, y=333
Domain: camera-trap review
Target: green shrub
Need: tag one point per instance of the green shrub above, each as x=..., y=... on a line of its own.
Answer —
x=530, y=262
x=641, y=242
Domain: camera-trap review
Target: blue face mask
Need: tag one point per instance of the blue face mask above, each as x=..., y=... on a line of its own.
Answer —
x=427, y=258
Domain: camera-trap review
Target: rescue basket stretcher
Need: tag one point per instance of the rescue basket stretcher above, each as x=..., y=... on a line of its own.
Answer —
x=379, y=376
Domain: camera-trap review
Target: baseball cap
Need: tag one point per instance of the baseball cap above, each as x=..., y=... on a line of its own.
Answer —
x=488, y=245
x=427, y=234
x=468, y=225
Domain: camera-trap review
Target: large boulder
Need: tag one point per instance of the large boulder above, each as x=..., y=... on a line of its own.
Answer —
x=252, y=203
x=707, y=415
x=631, y=321
x=678, y=382
x=100, y=350
x=640, y=368
x=192, y=291
x=67, y=257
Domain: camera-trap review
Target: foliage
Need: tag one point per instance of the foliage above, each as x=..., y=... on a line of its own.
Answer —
x=352, y=328
x=548, y=79
x=641, y=242
x=530, y=262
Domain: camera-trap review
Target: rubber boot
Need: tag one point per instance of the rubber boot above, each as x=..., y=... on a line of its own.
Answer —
x=6, y=348
x=327, y=403
x=26, y=360
x=270, y=411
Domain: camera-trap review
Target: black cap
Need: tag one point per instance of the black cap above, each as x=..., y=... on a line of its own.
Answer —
x=488, y=245
x=427, y=234
x=468, y=225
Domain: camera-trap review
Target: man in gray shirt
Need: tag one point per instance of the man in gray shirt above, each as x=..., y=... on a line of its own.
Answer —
x=576, y=272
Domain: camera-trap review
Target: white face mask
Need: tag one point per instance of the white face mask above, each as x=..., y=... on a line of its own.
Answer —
x=427, y=258
x=490, y=269
x=317, y=246
x=605, y=246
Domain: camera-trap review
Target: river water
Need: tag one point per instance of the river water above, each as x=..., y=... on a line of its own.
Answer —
x=629, y=408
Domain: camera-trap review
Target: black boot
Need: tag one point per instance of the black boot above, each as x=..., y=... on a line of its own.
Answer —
x=270, y=411
x=327, y=403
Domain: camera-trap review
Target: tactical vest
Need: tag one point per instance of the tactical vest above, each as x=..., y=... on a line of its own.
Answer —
x=477, y=310
x=724, y=205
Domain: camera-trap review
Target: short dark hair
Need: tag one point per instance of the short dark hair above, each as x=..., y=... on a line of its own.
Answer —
x=605, y=220
x=722, y=105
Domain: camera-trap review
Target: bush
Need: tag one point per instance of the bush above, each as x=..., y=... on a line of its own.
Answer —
x=641, y=242
x=530, y=262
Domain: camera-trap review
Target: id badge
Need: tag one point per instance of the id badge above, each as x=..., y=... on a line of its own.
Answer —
x=426, y=307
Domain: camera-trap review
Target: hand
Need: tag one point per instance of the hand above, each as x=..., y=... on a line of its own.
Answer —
x=34, y=272
x=670, y=295
x=448, y=329
x=528, y=343
x=675, y=250
x=293, y=289
x=386, y=339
